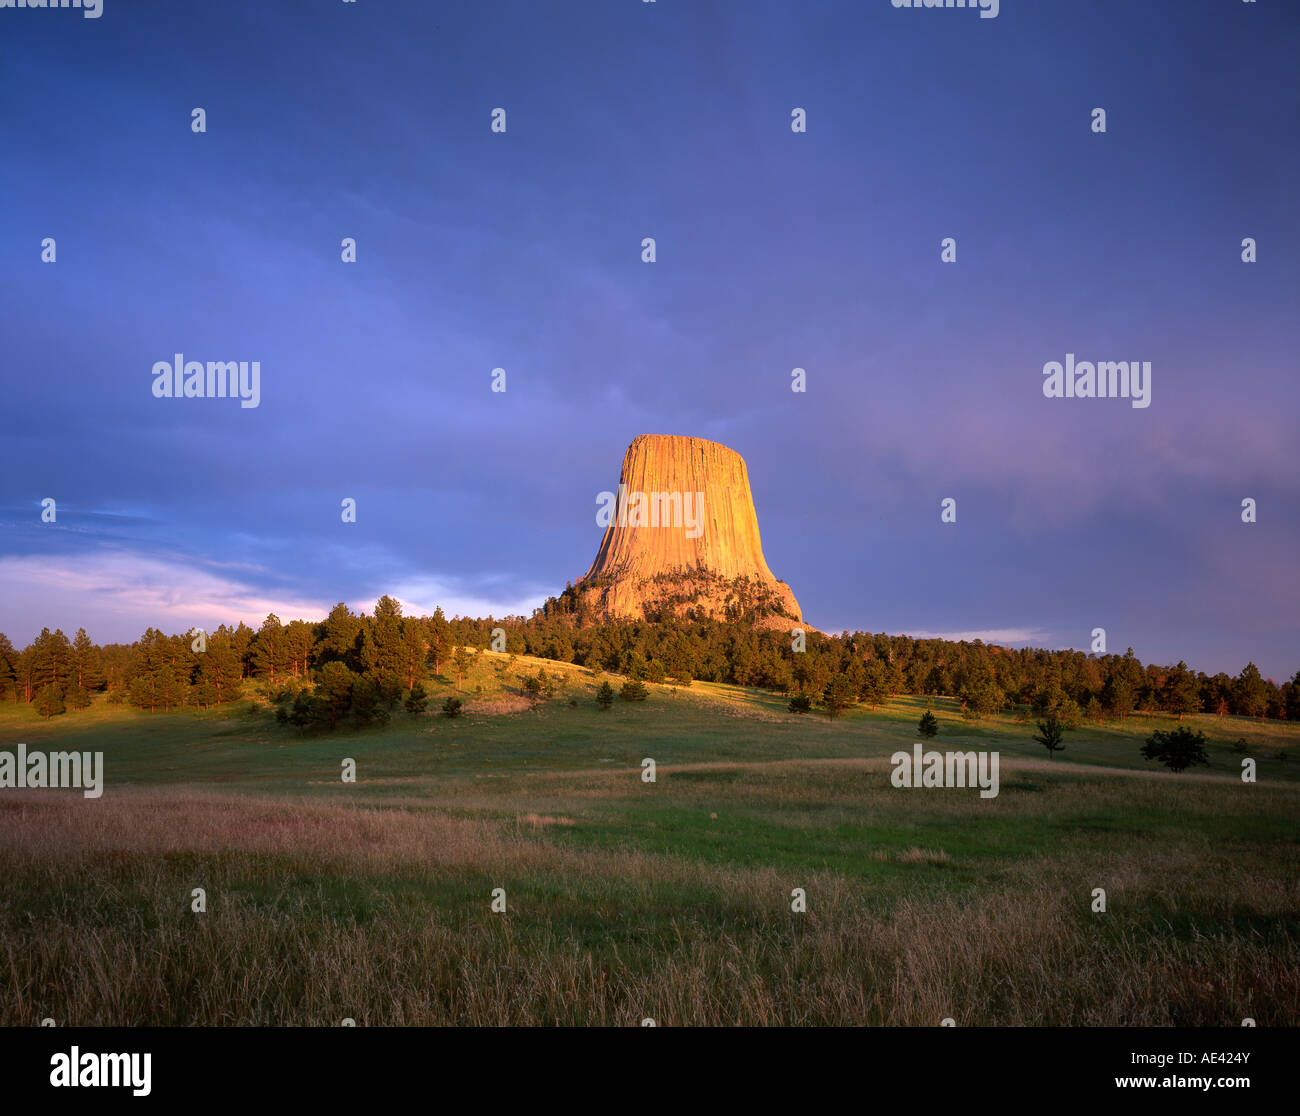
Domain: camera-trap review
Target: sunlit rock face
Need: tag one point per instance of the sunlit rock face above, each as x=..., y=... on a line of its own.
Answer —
x=683, y=539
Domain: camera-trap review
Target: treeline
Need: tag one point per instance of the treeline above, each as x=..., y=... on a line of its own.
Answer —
x=355, y=661
x=848, y=668
x=384, y=656
x=985, y=678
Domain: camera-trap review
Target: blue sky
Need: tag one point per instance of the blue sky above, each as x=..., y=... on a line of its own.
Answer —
x=776, y=250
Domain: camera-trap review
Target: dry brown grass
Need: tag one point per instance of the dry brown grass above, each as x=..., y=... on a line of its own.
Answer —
x=321, y=911
x=913, y=856
x=501, y=705
x=539, y=821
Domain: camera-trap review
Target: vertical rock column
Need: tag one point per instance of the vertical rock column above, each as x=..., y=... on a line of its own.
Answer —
x=727, y=542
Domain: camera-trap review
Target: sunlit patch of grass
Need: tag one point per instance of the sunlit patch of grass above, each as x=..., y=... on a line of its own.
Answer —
x=629, y=899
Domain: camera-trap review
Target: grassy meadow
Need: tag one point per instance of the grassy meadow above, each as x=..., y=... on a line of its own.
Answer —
x=628, y=900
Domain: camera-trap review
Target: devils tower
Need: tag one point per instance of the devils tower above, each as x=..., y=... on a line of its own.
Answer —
x=682, y=540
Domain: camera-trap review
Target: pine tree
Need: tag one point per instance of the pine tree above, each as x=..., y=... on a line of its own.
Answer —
x=415, y=650
x=1117, y=695
x=928, y=725
x=177, y=672
x=334, y=691
x=366, y=707
x=87, y=673
x=874, y=691
x=25, y=674
x=270, y=652
x=299, y=641
x=1178, y=749
x=241, y=639
x=1292, y=698
x=982, y=698
x=1180, y=693
x=439, y=640
x=8, y=671
x=205, y=694
x=301, y=713
x=384, y=652
x=220, y=668
x=49, y=701
x=1251, y=692
x=633, y=691
x=539, y=686
x=840, y=694
x=416, y=700
x=1051, y=733
x=145, y=678
x=338, y=643
x=51, y=659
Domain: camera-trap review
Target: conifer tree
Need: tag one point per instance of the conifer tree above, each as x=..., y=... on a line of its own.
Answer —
x=416, y=700
x=86, y=671
x=8, y=668
x=299, y=640
x=840, y=694
x=49, y=701
x=334, y=691
x=338, y=642
x=1251, y=692
x=270, y=651
x=1180, y=692
x=1117, y=695
x=415, y=650
x=384, y=652
x=1051, y=734
x=439, y=639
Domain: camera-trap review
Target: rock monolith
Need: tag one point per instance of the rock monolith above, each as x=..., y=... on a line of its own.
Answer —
x=682, y=539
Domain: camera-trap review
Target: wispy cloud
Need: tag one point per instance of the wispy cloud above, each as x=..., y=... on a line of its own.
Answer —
x=420, y=596
x=1035, y=636
x=115, y=592
x=108, y=591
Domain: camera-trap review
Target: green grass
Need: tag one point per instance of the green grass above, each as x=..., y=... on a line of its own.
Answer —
x=625, y=898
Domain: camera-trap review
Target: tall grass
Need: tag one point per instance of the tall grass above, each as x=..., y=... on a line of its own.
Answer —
x=321, y=911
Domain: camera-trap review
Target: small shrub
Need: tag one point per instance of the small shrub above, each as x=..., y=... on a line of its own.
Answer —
x=1051, y=734
x=49, y=702
x=1178, y=749
x=634, y=691
x=416, y=700
x=840, y=694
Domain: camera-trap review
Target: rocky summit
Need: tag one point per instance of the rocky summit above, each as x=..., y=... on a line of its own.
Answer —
x=682, y=540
